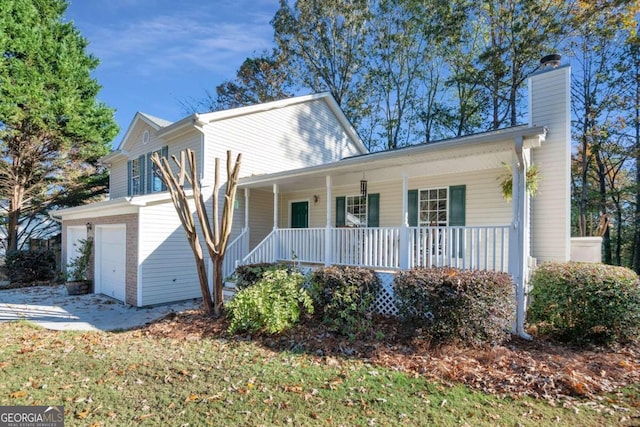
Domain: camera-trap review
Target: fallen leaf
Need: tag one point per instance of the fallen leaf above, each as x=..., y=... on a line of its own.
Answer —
x=83, y=414
x=18, y=394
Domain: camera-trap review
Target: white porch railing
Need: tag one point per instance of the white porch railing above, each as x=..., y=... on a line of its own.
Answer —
x=264, y=252
x=234, y=253
x=474, y=247
x=377, y=247
x=301, y=244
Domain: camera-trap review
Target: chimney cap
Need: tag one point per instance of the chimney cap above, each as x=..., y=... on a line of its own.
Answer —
x=552, y=60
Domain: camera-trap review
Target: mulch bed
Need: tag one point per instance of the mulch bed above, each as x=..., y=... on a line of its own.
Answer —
x=538, y=368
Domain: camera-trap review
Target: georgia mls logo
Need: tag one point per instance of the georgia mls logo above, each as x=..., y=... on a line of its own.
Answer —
x=31, y=416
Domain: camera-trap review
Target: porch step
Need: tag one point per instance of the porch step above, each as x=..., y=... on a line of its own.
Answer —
x=229, y=290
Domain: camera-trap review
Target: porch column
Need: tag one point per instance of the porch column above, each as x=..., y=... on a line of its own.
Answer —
x=328, y=242
x=245, y=248
x=276, y=242
x=404, y=228
x=517, y=235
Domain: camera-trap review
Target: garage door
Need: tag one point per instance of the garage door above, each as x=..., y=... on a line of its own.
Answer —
x=111, y=260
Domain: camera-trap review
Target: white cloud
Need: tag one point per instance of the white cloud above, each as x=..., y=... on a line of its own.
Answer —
x=200, y=38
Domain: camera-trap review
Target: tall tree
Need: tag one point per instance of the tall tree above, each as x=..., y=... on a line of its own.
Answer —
x=216, y=234
x=517, y=34
x=597, y=101
x=323, y=44
x=259, y=79
x=52, y=128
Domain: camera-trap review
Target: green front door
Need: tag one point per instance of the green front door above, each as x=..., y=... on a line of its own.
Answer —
x=299, y=214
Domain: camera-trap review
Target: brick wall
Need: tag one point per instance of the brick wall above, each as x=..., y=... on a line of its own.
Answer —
x=131, y=222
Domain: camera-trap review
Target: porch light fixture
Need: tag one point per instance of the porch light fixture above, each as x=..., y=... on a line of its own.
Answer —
x=363, y=186
x=316, y=198
x=89, y=226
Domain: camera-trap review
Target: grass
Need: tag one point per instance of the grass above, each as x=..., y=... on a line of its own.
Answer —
x=131, y=378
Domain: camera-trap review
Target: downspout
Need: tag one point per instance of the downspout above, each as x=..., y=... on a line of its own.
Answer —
x=518, y=263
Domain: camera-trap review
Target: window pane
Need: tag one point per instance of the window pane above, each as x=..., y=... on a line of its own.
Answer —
x=433, y=207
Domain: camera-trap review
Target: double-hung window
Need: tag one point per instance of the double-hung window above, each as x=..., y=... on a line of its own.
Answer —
x=154, y=182
x=433, y=207
x=356, y=211
x=136, y=177
x=143, y=176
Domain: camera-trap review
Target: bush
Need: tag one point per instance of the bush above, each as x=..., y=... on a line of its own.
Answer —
x=345, y=297
x=585, y=303
x=30, y=266
x=250, y=274
x=474, y=307
x=272, y=305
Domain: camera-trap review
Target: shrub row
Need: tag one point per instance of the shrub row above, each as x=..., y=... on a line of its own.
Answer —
x=250, y=274
x=274, y=303
x=30, y=266
x=345, y=297
x=585, y=303
x=474, y=307
x=578, y=303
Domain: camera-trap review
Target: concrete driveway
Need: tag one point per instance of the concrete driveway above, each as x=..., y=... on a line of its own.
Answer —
x=51, y=308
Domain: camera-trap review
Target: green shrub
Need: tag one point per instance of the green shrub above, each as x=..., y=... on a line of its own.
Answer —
x=474, y=307
x=345, y=297
x=585, y=303
x=272, y=305
x=250, y=274
x=30, y=266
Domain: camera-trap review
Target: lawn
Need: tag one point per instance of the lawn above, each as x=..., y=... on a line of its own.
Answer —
x=148, y=377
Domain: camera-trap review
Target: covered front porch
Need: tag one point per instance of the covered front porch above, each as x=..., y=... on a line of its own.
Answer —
x=437, y=204
x=430, y=205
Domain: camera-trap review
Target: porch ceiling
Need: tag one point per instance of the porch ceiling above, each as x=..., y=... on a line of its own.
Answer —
x=444, y=162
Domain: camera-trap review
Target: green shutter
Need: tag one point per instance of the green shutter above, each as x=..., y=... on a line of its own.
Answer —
x=413, y=207
x=340, y=211
x=373, y=210
x=149, y=174
x=129, y=168
x=141, y=165
x=165, y=154
x=457, y=195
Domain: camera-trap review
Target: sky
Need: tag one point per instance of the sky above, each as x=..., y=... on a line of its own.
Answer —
x=156, y=54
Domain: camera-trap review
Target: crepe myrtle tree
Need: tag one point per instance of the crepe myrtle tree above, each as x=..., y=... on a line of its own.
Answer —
x=215, y=233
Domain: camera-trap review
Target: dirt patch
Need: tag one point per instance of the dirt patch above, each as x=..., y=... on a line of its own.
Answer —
x=539, y=368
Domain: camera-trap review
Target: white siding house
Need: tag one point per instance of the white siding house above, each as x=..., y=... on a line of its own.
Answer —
x=158, y=265
x=302, y=193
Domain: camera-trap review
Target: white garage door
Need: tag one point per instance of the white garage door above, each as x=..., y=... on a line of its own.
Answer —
x=111, y=260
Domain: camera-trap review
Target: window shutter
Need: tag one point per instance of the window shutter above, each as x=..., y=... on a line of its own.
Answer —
x=141, y=164
x=129, y=168
x=149, y=174
x=165, y=154
x=413, y=207
x=457, y=195
x=373, y=210
x=340, y=211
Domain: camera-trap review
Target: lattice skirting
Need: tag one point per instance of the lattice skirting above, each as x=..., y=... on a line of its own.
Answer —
x=386, y=302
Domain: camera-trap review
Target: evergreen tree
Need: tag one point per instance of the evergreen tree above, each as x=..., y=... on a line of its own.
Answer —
x=52, y=128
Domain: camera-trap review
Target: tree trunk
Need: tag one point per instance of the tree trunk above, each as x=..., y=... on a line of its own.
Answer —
x=15, y=206
x=202, y=277
x=602, y=196
x=218, y=284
